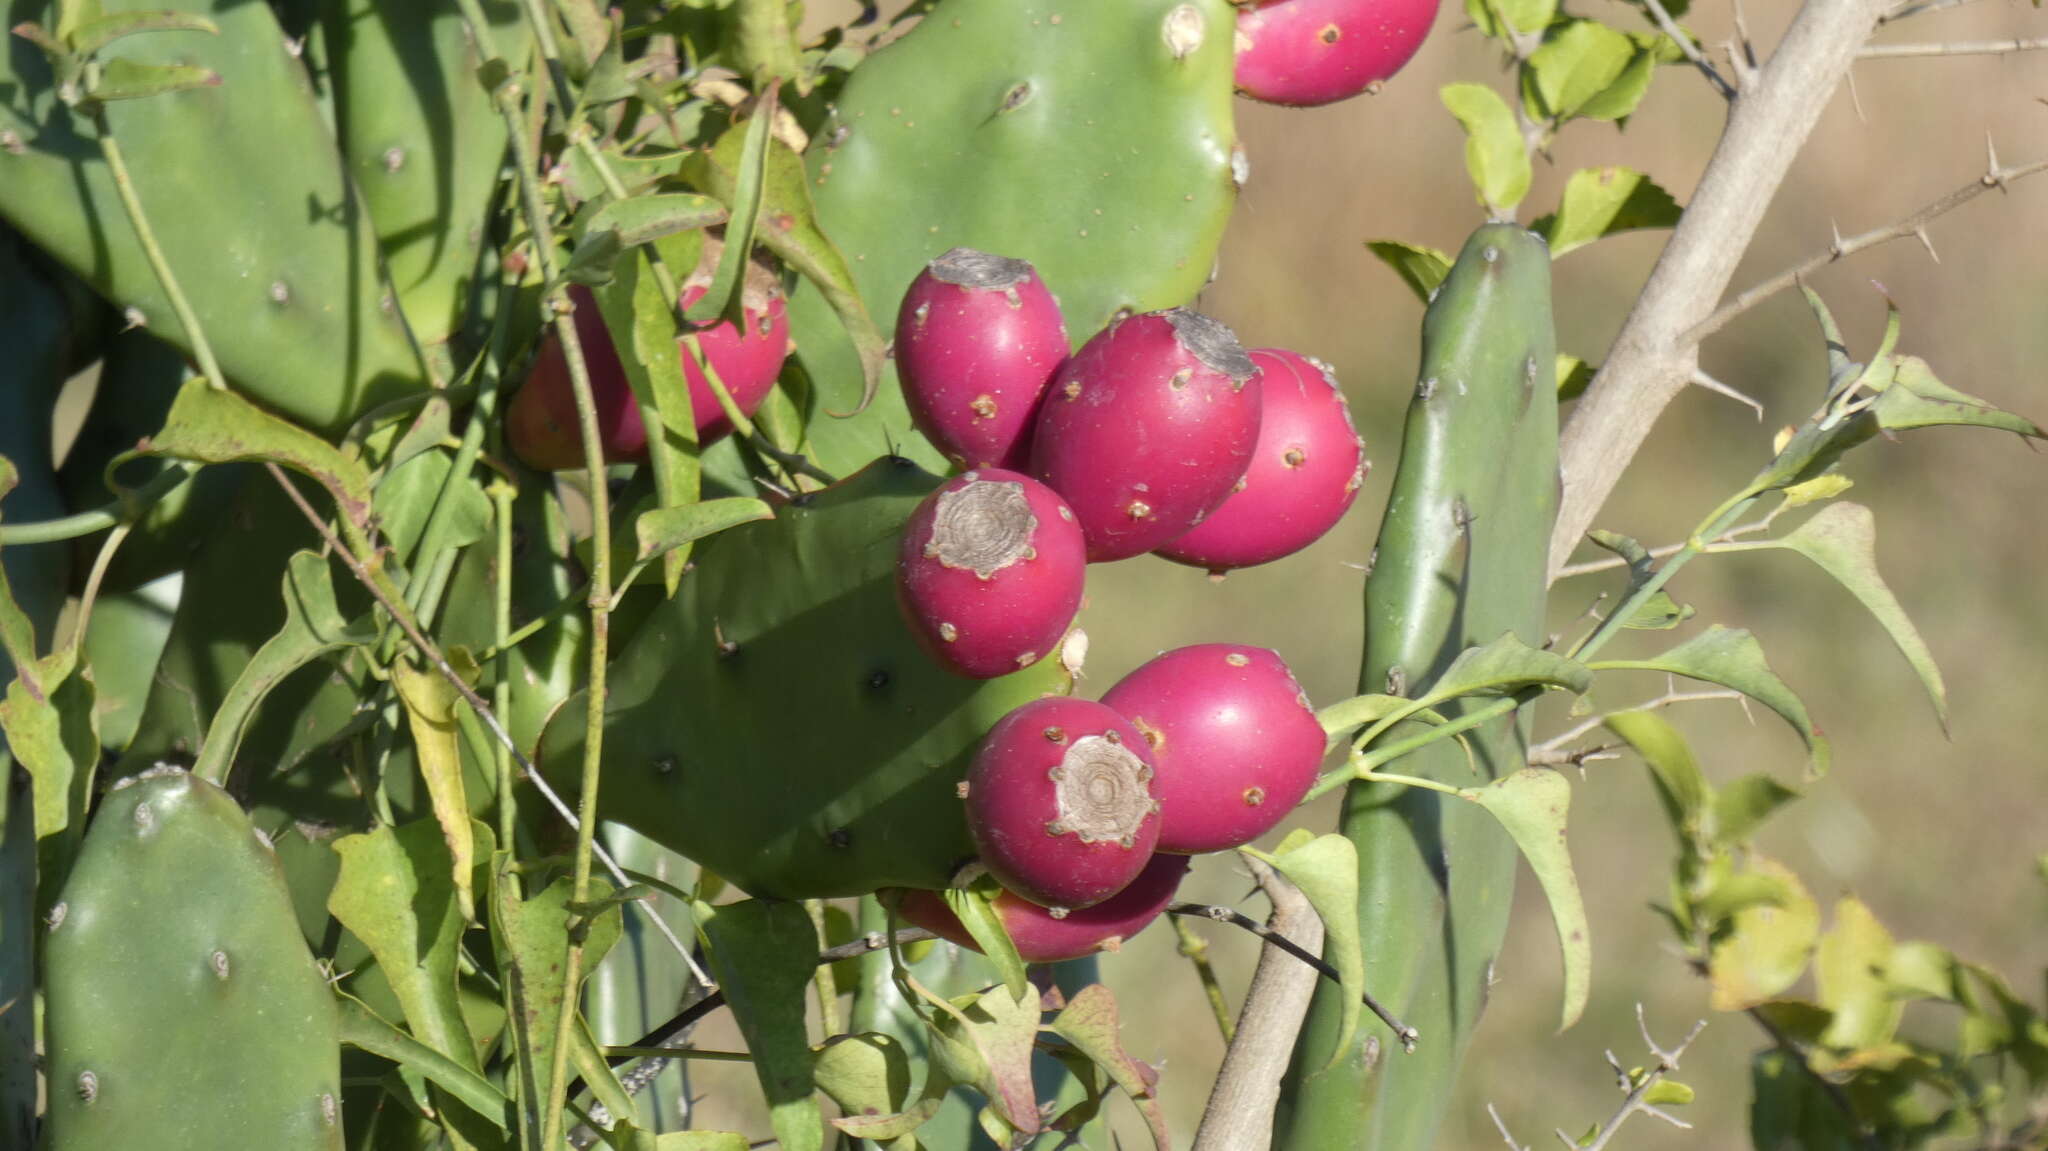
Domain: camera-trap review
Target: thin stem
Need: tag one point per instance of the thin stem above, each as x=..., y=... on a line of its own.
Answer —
x=92, y=582
x=502, y=496
x=821, y=977
x=1406, y=1034
x=1692, y=52
x=1953, y=48
x=1638, y=1093
x=187, y=318
x=1669, y=698
x=1913, y=223
x=126, y=509
x=1196, y=949
x=1717, y=522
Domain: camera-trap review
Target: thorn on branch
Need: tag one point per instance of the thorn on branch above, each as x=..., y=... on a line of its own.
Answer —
x=1713, y=385
x=1406, y=1034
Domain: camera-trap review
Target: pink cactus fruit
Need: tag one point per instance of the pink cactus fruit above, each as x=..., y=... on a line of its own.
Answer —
x=1060, y=802
x=1310, y=52
x=541, y=424
x=1041, y=936
x=977, y=341
x=1233, y=735
x=1306, y=470
x=990, y=572
x=1147, y=427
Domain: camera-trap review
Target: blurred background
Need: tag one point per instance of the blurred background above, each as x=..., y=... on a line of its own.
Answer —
x=1939, y=836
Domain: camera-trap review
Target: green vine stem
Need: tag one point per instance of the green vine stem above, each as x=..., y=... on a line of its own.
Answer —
x=118, y=168
x=1196, y=949
x=126, y=509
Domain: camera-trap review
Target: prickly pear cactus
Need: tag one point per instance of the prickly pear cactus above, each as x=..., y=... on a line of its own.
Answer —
x=1101, y=149
x=777, y=723
x=1460, y=560
x=183, y=1008
x=251, y=205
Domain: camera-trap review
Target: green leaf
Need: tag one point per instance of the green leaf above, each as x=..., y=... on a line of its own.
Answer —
x=1724, y=893
x=531, y=940
x=693, y=1141
x=1681, y=787
x=410, y=492
x=48, y=720
x=121, y=79
x=1089, y=1022
x=1504, y=666
x=869, y=1077
x=642, y=322
x=1819, y=489
x=1732, y=658
x=1532, y=805
x=643, y=219
x=1528, y=15
x=1326, y=870
x=1619, y=100
x=666, y=529
x=1842, y=540
x=764, y=955
x=94, y=35
x=975, y=908
x=985, y=1041
x=1920, y=969
x=1599, y=202
x=1658, y=613
x=721, y=298
x=1915, y=398
x=362, y=1029
x=1573, y=376
x=1421, y=268
x=1665, y=1092
x=1494, y=156
x=1767, y=945
x=1788, y=1109
x=1577, y=61
x=1849, y=972
x=430, y=704
x=313, y=627
x=217, y=427
x=1744, y=804
x=1351, y=714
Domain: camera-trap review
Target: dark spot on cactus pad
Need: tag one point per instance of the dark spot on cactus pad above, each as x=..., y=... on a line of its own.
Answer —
x=664, y=765
x=878, y=678
x=1019, y=95
x=840, y=838
x=984, y=526
x=1101, y=794
x=984, y=271
x=1211, y=342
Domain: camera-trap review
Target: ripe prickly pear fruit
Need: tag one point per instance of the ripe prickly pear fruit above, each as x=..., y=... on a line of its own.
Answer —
x=1305, y=472
x=990, y=572
x=1147, y=427
x=1042, y=937
x=1311, y=52
x=1060, y=802
x=977, y=341
x=542, y=422
x=1233, y=735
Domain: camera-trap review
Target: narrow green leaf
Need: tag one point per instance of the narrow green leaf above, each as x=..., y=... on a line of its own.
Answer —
x=1326, y=870
x=975, y=908
x=1599, y=202
x=1849, y=975
x=1744, y=804
x=1915, y=398
x=642, y=322
x=121, y=79
x=94, y=35
x=396, y=893
x=1419, y=267
x=1732, y=658
x=361, y=1029
x=1842, y=539
x=430, y=704
x=313, y=627
x=1767, y=944
x=1504, y=666
x=721, y=297
x=217, y=427
x=1351, y=714
x=764, y=955
x=665, y=529
x=1577, y=61
x=531, y=941
x=1493, y=146
x=1682, y=788
x=1532, y=805
x=642, y=219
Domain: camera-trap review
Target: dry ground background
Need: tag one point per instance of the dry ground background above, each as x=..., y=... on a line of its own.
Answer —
x=1937, y=835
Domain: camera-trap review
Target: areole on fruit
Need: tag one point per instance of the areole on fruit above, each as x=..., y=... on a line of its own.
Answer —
x=1100, y=793
x=990, y=572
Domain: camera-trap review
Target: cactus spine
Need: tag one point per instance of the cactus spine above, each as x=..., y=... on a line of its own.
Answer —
x=1460, y=560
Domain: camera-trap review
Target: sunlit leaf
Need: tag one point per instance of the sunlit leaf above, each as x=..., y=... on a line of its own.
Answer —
x=665, y=529
x=1533, y=805
x=975, y=908
x=1767, y=944
x=1576, y=62
x=1325, y=868
x=1744, y=804
x=1731, y=657
x=1493, y=146
x=1599, y=202
x=1681, y=788
x=1421, y=268
x=1849, y=972
x=217, y=427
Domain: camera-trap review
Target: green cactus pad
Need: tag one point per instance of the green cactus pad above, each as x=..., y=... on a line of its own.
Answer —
x=776, y=722
x=422, y=140
x=183, y=1008
x=247, y=196
x=1094, y=140
x=1460, y=560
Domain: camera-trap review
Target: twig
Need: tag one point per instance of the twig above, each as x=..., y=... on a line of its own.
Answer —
x=1501, y=1125
x=1406, y=1034
x=1649, y=364
x=1196, y=949
x=1951, y=48
x=1609, y=563
x=1667, y=1061
x=1670, y=28
x=1919, y=8
x=1912, y=224
x=1239, y=1113
x=126, y=509
x=483, y=710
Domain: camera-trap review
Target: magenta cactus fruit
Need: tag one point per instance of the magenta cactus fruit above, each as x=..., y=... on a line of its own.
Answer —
x=1147, y=427
x=990, y=572
x=541, y=424
x=1041, y=936
x=977, y=341
x=1305, y=471
x=1233, y=735
x=1060, y=802
x=1310, y=52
